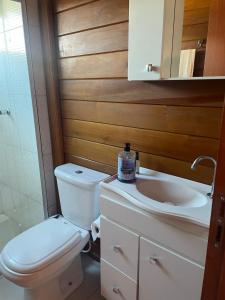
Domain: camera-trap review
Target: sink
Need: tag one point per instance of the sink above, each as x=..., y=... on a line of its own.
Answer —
x=170, y=193
x=163, y=194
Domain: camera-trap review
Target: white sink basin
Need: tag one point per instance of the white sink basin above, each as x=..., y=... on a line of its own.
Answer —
x=164, y=194
x=170, y=193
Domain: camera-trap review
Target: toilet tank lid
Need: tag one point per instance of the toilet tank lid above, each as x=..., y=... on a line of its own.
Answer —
x=79, y=175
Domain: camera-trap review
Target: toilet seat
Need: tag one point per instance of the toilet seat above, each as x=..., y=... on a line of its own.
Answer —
x=42, y=245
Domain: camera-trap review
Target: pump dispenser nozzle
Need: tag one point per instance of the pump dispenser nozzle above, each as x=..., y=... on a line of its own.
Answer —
x=127, y=147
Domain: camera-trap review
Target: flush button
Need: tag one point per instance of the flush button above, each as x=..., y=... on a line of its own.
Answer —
x=78, y=172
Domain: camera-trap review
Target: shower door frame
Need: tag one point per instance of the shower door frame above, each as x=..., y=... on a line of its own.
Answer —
x=43, y=91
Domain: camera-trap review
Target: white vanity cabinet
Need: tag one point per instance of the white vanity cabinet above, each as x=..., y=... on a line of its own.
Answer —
x=151, y=38
x=144, y=257
x=133, y=267
x=165, y=275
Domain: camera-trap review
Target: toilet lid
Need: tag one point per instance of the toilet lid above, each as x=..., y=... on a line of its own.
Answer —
x=40, y=245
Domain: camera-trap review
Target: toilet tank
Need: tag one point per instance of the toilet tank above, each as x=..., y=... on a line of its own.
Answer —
x=79, y=193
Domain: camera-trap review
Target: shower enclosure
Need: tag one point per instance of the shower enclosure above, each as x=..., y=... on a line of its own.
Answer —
x=21, y=201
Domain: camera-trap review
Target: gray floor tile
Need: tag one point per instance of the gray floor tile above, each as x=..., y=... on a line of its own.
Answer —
x=91, y=280
x=10, y=291
x=96, y=296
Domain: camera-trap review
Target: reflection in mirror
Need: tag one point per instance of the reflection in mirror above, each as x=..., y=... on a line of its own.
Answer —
x=194, y=38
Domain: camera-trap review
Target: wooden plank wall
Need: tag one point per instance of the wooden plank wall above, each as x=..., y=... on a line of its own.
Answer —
x=170, y=123
x=196, y=19
x=216, y=40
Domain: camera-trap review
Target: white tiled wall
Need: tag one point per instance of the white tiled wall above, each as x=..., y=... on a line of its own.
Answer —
x=20, y=184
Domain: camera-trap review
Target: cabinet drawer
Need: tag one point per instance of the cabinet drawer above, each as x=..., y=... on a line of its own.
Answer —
x=116, y=285
x=166, y=275
x=119, y=247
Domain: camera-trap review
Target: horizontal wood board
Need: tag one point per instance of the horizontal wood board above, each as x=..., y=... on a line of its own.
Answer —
x=196, y=19
x=170, y=123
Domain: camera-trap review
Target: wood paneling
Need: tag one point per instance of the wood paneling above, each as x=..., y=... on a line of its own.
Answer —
x=175, y=119
x=110, y=38
x=196, y=4
x=96, y=14
x=196, y=18
x=178, y=146
x=106, y=65
x=216, y=40
x=66, y=4
x=170, y=123
x=106, y=154
x=105, y=168
x=124, y=91
x=195, y=32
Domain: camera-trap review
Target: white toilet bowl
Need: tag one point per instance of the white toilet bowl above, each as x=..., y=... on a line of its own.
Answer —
x=45, y=259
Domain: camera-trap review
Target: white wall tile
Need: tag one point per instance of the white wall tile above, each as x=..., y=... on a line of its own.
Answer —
x=20, y=182
x=12, y=14
x=25, y=123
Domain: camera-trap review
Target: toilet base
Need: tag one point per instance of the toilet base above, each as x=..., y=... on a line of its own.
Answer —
x=61, y=287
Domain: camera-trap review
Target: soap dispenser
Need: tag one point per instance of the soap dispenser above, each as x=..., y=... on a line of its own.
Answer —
x=126, y=165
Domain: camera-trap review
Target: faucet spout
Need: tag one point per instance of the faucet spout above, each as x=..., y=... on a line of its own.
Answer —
x=204, y=157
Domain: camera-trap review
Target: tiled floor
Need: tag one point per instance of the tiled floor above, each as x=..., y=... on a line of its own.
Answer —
x=89, y=290
x=9, y=291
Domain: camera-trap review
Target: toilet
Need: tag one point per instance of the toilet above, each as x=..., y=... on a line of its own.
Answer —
x=45, y=259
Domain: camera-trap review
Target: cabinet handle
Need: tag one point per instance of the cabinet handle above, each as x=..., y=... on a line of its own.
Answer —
x=116, y=290
x=154, y=260
x=117, y=249
x=149, y=67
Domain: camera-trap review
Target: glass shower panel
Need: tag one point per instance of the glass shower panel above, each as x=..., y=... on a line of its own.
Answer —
x=21, y=203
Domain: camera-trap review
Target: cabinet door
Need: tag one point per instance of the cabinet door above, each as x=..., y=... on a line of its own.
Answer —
x=166, y=275
x=115, y=285
x=151, y=25
x=119, y=247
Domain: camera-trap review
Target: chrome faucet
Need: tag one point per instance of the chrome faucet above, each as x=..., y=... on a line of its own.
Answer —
x=198, y=160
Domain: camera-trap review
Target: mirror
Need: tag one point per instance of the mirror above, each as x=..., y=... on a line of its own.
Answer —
x=194, y=23
x=176, y=39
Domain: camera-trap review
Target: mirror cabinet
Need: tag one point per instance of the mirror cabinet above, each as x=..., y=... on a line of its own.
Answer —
x=176, y=39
